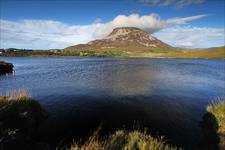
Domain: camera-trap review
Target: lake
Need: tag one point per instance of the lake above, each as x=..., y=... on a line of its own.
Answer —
x=166, y=97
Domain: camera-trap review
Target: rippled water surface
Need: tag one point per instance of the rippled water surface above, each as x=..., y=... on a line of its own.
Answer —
x=166, y=96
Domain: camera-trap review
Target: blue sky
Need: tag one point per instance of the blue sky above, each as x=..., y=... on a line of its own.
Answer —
x=43, y=24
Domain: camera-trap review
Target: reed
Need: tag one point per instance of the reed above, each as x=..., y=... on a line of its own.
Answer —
x=217, y=109
x=124, y=140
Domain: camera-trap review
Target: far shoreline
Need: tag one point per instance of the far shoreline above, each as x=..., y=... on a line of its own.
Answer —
x=209, y=53
x=144, y=57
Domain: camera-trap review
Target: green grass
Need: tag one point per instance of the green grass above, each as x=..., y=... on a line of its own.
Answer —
x=217, y=109
x=17, y=102
x=128, y=51
x=125, y=51
x=20, y=116
x=212, y=53
x=124, y=140
x=30, y=53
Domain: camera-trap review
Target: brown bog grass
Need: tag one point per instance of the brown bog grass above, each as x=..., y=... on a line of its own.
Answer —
x=217, y=108
x=124, y=140
x=18, y=102
x=212, y=53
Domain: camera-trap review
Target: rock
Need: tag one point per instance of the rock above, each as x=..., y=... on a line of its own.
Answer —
x=6, y=67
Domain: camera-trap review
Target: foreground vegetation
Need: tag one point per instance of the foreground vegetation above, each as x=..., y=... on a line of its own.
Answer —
x=217, y=109
x=214, y=53
x=20, y=116
x=5, y=67
x=124, y=140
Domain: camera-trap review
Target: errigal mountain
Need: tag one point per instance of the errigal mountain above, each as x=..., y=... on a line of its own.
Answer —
x=123, y=37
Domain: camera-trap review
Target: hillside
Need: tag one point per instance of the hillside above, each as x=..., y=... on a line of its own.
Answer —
x=134, y=42
x=213, y=53
x=126, y=41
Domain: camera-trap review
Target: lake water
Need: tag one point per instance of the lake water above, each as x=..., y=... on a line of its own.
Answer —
x=164, y=96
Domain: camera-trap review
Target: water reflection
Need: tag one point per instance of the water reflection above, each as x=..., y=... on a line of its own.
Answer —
x=130, y=82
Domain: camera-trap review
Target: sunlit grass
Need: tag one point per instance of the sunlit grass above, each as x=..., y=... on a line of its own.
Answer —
x=124, y=140
x=217, y=108
x=19, y=101
x=15, y=95
x=213, y=53
x=20, y=116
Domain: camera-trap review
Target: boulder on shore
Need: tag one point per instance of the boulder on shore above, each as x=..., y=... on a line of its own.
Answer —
x=6, y=67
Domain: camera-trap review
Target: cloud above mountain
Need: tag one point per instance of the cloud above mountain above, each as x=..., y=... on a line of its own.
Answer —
x=45, y=34
x=150, y=23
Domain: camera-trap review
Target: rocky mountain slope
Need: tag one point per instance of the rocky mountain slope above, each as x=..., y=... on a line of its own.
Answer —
x=120, y=38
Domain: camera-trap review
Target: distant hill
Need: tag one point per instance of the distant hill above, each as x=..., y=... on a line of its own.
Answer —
x=214, y=53
x=134, y=42
x=122, y=38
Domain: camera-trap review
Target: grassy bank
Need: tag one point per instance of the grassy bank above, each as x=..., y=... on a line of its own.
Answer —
x=211, y=53
x=123, y=140
x=20, y=116
x=217, y=109
x=5, y=67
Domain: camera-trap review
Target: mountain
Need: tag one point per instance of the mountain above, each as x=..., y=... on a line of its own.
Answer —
x=122, y=37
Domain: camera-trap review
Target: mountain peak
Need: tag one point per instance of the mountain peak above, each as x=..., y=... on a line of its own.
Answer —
x=133, y=35
x=124, y=37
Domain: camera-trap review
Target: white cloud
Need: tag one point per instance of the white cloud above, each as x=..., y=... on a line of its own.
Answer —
x=175, y=3
x=150, y=23
x=192, y=36
x=179, y=21
x=45, y=34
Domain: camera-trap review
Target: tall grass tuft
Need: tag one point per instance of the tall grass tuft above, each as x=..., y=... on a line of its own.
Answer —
x=20, y=116
x=18, y=101
x=217, y=108
x=16, y=95
x=124, y=140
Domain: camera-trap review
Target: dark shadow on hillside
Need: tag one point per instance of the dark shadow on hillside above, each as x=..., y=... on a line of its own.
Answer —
x=209, y=126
